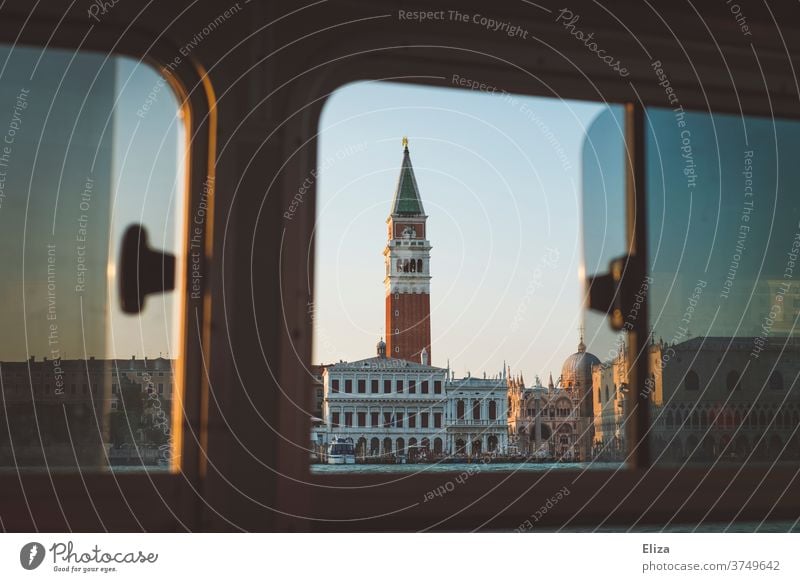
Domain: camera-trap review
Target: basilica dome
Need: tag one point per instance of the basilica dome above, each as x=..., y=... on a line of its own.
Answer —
x=577, y=368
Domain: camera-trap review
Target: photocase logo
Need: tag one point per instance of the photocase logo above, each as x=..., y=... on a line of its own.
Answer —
x=31, y=555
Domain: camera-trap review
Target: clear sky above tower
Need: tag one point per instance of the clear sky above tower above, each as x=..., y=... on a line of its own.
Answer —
x=500, y=179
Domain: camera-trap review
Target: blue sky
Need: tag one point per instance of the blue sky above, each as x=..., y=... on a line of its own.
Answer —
x=500, y=178
x=70, y=135
x=148, y=154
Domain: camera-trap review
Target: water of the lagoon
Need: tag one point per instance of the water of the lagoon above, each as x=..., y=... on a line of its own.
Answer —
x=458, y=467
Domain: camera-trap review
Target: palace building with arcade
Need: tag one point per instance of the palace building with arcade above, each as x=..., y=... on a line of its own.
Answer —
x=386, y=405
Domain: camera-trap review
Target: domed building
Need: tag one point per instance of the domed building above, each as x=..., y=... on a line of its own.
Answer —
x=556, y=420
x=576, y=377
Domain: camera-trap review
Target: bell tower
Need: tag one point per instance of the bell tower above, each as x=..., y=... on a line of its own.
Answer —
x=407, y=284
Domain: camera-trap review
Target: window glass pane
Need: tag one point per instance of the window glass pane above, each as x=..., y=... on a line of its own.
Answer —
x=724, y=237
x=91, y=144
x=603, y=184
x=444, y=259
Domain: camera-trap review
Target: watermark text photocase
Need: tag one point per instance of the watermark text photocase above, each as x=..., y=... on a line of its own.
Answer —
x=100, y=8
x=569, y=20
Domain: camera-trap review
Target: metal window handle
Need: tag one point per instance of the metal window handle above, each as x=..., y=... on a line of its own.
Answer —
x=142, y=270
x=606, y=293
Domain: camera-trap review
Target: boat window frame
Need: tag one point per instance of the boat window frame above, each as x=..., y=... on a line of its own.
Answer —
x=102, y=500
x=485, y=501
x=505, y=500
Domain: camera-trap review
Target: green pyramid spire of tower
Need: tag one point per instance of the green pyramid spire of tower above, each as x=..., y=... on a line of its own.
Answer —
x=407, y=201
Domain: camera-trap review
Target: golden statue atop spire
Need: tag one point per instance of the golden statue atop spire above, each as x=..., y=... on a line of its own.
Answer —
x=405, y=142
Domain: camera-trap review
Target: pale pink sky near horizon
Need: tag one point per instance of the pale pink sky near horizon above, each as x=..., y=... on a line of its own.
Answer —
x=500, y=179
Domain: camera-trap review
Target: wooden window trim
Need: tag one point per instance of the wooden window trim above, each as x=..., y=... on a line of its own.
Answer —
x=504, y=500
x=278, y=502
x=95, y=500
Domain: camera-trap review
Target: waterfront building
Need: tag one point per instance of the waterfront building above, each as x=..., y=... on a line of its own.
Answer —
x=545, y=422
x=705, y=405
x=609, y=384
x=317, y=391
x=477, y=416
x=66, y=409
x=712, y=407
x=388, y=406
x=576, y=378
x=554, y=421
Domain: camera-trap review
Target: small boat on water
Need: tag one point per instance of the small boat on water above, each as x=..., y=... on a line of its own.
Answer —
x=341, y=451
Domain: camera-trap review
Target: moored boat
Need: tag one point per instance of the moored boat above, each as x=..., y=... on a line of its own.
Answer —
x=341, y=451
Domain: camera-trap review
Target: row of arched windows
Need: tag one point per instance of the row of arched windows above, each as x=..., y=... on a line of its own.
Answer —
x=388, y=446
x=730, y=418
x=729, y=447
x=409, y=265
x=562, y=410
x=732, y=381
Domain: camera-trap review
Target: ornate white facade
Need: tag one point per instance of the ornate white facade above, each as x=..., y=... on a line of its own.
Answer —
x=556, y=421
x=387, y=406
x=477, y=414
x=390, y=406
x=547, y=421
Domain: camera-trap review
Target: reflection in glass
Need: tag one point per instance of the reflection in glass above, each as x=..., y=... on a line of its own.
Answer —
x=724, y=227
x=84, y=153
x=604, y=240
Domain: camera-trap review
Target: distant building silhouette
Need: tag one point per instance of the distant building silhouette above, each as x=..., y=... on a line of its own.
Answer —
x=59, y=412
